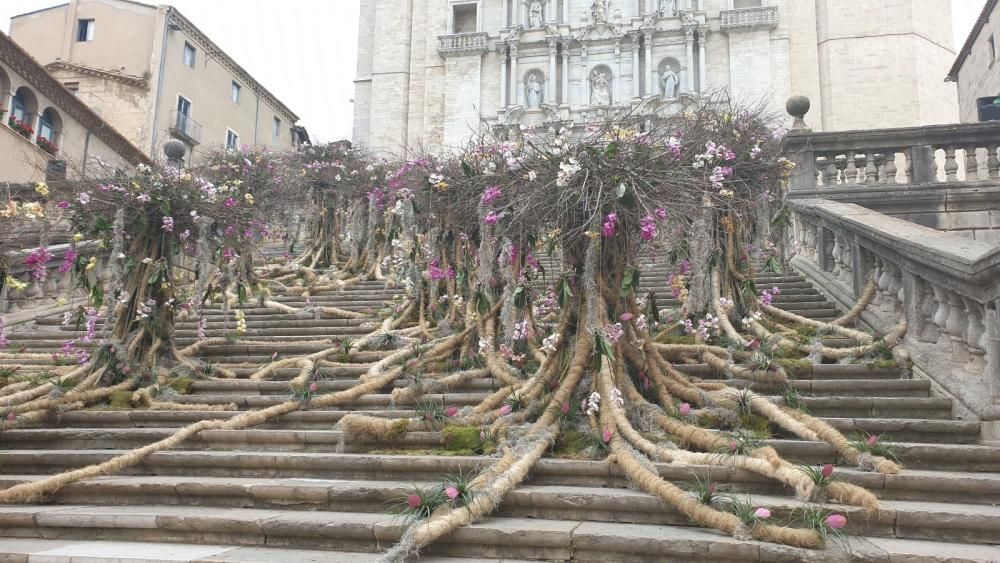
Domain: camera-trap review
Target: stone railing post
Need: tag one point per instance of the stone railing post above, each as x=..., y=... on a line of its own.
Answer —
x=924, y=167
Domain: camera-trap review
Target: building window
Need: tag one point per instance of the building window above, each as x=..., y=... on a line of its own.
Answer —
x=465, y=18
x=232, y=141
x=277, y=128
x=73, y=87
x=991, y=45
x=236, y=93
x=190, y=54
x=85, y=30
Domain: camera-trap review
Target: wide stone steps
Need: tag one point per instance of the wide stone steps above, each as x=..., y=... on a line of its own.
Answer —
x=965, y=457
x=559, y=540
x=922, y=520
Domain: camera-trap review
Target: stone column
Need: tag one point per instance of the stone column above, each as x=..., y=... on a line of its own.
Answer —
x=689, y=75
x=517, y=12
x=702, y=64
x=618, y=71
x=648, y=37
x=550, y=82
x=565, y=14
x=586, y=76
x=516, y=98
x=650, y=6
x=506, y=12
x=502, y=51
x=565, y=73
x=636, y=82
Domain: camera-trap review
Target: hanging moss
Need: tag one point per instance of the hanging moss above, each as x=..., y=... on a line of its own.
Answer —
x=570, y=443
x=433, y=452
x=461, y=438
x=676, y=339
x=884, y=364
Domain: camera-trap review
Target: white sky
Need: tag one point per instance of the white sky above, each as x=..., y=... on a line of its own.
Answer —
x=308, y=59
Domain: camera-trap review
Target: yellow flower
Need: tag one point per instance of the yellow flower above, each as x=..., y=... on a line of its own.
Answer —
x=592, y=234
x=14, y=283
x=78, y=237
x=61, y=301
x=249, y=198
x=92, y=263
x=102, y=244
x=42, y=188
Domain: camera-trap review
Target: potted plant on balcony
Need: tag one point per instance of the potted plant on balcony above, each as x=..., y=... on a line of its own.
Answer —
x=20, y=127
x=47, y=145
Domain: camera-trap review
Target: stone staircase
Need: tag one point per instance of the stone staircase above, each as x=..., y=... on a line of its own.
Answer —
x=290, y=491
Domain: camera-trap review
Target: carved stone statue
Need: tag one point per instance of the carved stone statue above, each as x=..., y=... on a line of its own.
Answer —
x=599, y=11
x=600, y=89
x=535, y=18
x=670, y=83
x=668, y=8
x=533, y=93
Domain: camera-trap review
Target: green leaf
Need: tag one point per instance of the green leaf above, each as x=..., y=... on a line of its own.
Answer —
x=652, y=310
x=564, y=292
x=611, y=151
x=482, y=304
x=467, y=169
x=605, y=347
x=772, y=266
x=520, y=297
x=97, y=296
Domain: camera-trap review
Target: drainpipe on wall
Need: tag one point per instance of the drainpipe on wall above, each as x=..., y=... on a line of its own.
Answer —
x=159, y=80
x=256, y=121
x=86, y=155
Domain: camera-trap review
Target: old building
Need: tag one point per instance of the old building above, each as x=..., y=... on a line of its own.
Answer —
x=459, y=65
x=154, y=76
x=978, y=82
x=46, y=131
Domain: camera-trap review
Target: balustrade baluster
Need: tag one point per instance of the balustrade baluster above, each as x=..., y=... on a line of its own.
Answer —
x=851, y=172
x=840, y=163
x=957, y=325
x=847, y=263
x=836, y=254
x=992, y=162
x=971, y=164
x=929, y=308
x=890, y=170
x=950, y=165
x=871, y=170
x=973, y=334
x=908, y=166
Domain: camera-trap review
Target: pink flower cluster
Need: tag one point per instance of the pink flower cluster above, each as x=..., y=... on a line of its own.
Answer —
x=491, y=194
x=610, y=227
x=647, y=228
x=768, y=295
x=68, y=260
x=36, y=262
x=434, y=272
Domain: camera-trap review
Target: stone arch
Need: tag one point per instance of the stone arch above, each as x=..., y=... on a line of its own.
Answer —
x=50, y=126
x=24, y=107
x=602, y=85
x=673, y=66
x=534, y=99
x=4, y=92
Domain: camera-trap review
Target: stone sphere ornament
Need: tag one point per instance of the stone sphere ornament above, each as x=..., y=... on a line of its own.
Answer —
x=175, y=150
x=798, y=107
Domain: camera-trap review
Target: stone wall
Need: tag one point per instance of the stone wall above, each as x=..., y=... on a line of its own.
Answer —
x=979, y=77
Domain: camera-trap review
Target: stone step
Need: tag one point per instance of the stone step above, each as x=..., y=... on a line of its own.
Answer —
x=964, y=457
x=923, y=520
x=69, y=551
x=553, y=540
x=911, y=484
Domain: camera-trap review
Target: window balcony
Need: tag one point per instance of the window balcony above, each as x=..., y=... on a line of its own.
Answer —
x=765, y=17
x=463, y=43
x=185, y=128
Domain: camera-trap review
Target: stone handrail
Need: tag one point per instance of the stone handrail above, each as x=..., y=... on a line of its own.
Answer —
x=944, y=155
x=947, y=287
x=748, y=18
x=42, y=294
x=459, y=43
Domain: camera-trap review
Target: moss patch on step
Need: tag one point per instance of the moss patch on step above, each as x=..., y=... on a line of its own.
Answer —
x=795, y=367
x=466, y=439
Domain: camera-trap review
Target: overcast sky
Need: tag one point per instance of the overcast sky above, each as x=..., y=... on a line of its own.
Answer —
x=308, y=57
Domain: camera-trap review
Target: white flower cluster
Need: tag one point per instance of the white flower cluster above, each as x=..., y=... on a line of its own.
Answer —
x=567, y=170
x=616, y=397
x=241, y=323
x=485, y=345
x=593, y=403
x=726, y=304
x=550, y=342
x=755, y=316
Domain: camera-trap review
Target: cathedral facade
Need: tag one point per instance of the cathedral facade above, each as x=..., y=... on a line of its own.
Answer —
x=431, y=73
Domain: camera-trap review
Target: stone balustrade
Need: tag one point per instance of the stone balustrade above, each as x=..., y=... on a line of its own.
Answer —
x=463, y=43
x=43, y=294
x=938, y=154
x=945, y=286
x=749, y=18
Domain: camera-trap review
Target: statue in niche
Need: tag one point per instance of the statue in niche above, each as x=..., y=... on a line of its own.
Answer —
x=599, y=11
x=670, y=82
x=533, y=93
x=600, y=89
x=668, y=8
x=535, y=18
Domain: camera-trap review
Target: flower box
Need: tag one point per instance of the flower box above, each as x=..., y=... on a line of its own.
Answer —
x=46, y=145
x=20, y=127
